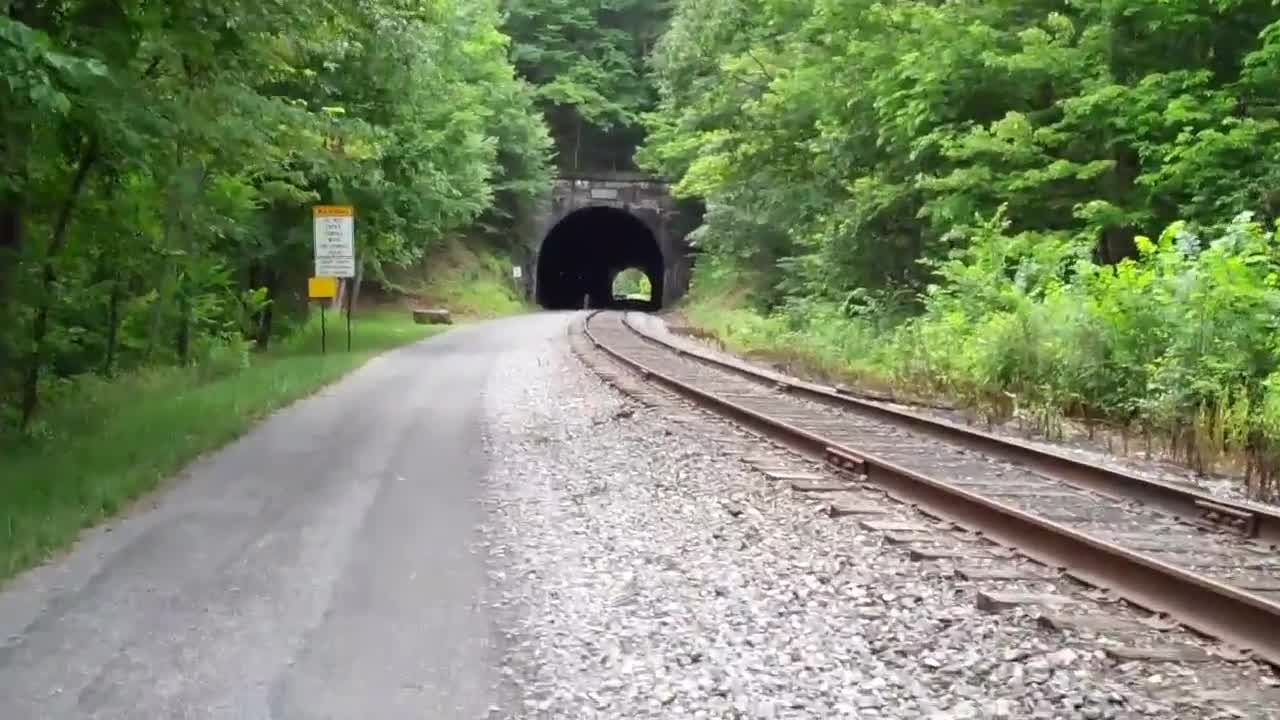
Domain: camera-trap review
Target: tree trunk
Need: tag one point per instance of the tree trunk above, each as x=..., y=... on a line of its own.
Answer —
x=48, y=276
x=113, y=328
x=11, y=227
x=182, y=339
x=267, y=316
x=577, y=142
x=167, y=280
x=185, y=289
x=356, y=284
x=107, y=274
x=15, y=140
x=1117, y=242
x=13, y=165
x=182, y=287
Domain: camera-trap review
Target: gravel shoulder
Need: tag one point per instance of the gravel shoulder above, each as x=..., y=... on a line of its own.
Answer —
x=646, y=572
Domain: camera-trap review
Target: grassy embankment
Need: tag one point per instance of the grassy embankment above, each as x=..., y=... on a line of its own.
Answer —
x=106, y=443
x=1170, y=354
x=471, y=281
x=109, y=442
x=720, y=310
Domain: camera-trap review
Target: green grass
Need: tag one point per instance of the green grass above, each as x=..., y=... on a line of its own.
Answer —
x=109, y=442
x=834, y=350
x=469, y=279
x=479, y=298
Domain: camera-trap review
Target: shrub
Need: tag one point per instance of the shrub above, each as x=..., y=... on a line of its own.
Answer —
x=217, y=357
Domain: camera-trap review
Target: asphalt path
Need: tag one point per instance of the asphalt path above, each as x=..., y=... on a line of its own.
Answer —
x=324, y=566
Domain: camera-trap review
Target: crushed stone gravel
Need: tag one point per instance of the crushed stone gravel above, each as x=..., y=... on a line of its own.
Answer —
x=643, y=571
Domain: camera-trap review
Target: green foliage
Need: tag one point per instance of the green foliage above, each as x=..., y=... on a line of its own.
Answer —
x=852, y=138
x=1179, y=341
x=953, y=195
x=632, y=283
x=100, y=444
x=157, y=166
x=586, y=60
x=472, y=280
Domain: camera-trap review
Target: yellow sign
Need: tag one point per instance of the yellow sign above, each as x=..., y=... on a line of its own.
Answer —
x=334, y=211
x=322, y=288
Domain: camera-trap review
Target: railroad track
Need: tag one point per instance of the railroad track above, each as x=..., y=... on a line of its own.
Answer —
x=1207, y=564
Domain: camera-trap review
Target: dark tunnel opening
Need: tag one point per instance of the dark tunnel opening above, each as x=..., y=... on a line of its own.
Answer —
x=583, y=254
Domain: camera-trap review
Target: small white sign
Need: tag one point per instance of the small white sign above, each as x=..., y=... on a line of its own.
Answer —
x=517, y=272
x=335, y=240
x=604, y=194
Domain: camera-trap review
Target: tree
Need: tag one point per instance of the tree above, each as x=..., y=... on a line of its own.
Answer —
x=587, y=63
x=959, y=196
x=157, y=164
x=860, y=137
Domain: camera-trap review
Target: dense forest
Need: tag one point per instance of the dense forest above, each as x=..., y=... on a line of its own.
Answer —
x=1067, y=207
x=588, y=62
x=158, y=163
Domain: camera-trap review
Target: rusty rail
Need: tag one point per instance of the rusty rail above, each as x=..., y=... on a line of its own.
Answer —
x=1237, y=617
x=1186, y=503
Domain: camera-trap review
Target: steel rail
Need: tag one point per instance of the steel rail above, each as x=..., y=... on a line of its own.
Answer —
x=1237, y=617
x=1186, y=503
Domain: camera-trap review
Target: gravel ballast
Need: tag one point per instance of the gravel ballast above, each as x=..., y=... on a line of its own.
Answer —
x=1130, y=455
x=644, y=572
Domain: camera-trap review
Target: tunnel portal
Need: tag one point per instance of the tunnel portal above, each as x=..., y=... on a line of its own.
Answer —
x=585, y=251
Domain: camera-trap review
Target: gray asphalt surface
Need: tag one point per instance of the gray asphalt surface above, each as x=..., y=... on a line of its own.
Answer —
x=322, y=567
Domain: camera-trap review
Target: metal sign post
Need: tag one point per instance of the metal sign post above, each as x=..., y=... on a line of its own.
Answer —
x=325, y=289
x=335, y=252
x=517, y=280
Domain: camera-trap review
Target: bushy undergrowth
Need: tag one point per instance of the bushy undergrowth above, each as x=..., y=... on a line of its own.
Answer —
x=471, y=280
x=1178, y=344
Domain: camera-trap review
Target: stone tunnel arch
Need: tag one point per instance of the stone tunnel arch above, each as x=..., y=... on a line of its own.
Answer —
x=583, y=253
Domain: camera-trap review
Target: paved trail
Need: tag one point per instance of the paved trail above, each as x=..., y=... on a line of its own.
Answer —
x=322, y=567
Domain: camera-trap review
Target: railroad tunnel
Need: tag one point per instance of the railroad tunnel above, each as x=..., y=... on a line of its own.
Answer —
x=585, y=251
